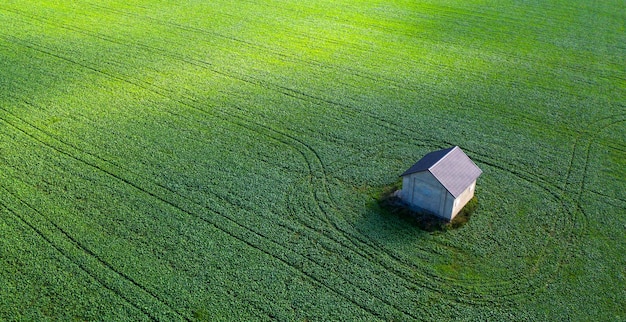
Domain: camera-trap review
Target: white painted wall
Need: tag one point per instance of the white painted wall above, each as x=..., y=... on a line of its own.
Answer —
x=422, y=191
x=463, y=198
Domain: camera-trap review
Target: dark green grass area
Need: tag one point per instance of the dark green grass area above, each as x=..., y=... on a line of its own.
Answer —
x=221, y=160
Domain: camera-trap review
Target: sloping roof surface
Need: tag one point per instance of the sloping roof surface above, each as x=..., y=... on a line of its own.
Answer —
x=452, y=167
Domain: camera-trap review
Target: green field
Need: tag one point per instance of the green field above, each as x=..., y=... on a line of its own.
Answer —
x=220, y=160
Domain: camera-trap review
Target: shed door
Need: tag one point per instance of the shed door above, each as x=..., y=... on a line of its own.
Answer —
x=426, y=196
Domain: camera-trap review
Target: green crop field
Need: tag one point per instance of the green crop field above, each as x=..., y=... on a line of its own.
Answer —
x=221, y=160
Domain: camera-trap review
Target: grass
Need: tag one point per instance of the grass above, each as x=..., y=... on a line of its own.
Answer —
x=217, y=161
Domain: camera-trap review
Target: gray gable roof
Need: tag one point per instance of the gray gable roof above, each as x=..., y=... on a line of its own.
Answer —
x=452, y=167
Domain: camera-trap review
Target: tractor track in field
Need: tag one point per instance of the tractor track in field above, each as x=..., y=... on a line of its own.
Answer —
x=353, y=46
x=320, y=201
x=283, y=90
x=343, y=231
x=247, y=235
x=451, y=13
x=235, y=121
x=288, y=91
x=86, y=249
x=606, y=196
x=378, y=78
x=529, y=285
x=569, y=194
x=324, y=212
x=576, y=216
x=374, y=245
x=362, y=240
x=294, y=93
x=573, y=185
x=593, y=130
x=141, y=306
x=495, y=287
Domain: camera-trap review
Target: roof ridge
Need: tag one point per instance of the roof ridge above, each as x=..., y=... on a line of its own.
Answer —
x=443, y=157
x=451, y=185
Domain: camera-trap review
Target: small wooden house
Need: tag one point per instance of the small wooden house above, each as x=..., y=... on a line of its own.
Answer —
x=441, y=183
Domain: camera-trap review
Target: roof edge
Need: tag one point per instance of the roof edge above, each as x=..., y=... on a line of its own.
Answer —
x=444, y=156
x=408, y=172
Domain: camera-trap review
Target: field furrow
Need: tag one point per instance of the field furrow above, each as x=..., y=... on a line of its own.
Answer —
x=223, y=160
